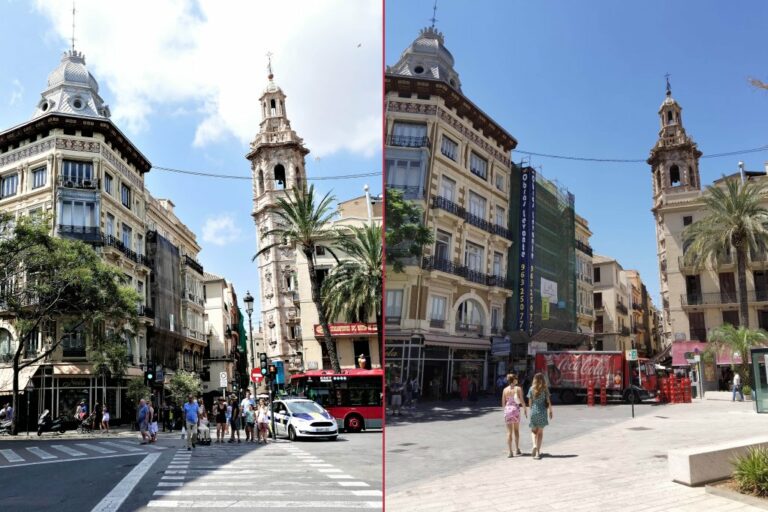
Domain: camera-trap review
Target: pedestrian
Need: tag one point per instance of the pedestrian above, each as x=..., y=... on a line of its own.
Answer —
x=191, y=421
x=142, y=419
x=220, y=410
x=464, y=388
x=396, y=397
x=105, y=420
x=81, y=410
x=236, y=414
x=408, y=393
x=201, y=407
x=501, y=384
x=171, y=417
x=512, y=401
x=416, y=390
x=250, y=421
x=229, y=417
x=541, y=406
x=204, y=430
x=737, y=387
x=8, y=412
x=262, y=421
x=152, y=423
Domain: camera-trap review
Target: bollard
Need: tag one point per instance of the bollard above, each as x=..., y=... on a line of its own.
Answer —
x=590, y=393
x=603, y=394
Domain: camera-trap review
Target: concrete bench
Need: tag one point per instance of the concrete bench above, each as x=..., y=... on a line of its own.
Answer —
x=704, y=464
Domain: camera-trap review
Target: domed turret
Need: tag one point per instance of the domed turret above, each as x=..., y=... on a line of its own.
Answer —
x=428, y=57
x=72, y=90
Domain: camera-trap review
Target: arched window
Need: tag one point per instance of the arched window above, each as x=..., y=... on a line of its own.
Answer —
x=669, y=117
x=280, y=176
x=6, y=340
x=272, y=107
x=261, y=182
x=469, y=317
x=674, y=175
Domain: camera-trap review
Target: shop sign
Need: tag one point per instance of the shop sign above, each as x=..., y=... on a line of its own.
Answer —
x=500, y=346
x=347, y=330
x=535, y=347
x=527, y=245
x=73, y=383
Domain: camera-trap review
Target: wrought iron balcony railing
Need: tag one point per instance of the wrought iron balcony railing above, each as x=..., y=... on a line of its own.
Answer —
x=407, y=141
x=471, y=328
x=475, y=220
x=78, y=182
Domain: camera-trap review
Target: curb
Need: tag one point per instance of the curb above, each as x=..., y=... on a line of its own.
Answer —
x=724, y=492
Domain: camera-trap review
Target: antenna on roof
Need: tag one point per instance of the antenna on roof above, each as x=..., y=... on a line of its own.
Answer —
x=73, y=26
x=669, y=87
x=433, y=19
x=269, y=64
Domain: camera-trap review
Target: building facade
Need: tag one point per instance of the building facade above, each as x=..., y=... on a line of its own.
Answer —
x=222, y=330
x=585, y=312
x=612, y=300
x=453, y=161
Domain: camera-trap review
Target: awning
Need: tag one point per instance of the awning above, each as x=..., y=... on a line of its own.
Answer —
x=458, y=341
x=563, y=338
x=680, y=348
x=6, y=378
x=72, y=369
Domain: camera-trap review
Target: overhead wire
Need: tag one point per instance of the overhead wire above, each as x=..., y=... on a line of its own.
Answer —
x=636, y=160
x=240, y=177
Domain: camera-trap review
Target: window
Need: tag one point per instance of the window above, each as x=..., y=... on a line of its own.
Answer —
x=77, y=172
x=597, y=274
x=139, y=245
x=78, y=213
x=280, y=176
x=674, y=175
x=495, y=315
x=687, y=220
x=322, y=273
x=108, y=183
x=410, y=135
x=8, y=185
x=470, y=316
x=125, y=195
x=437, y=312
x=498, y=264
x=478, y=166
x=6, y=342
x=691, y=177
x=127, y=236
x=473, y=257
x=731, y=317
x=449, y=148
x=140, y=290
x=598, y=300
x=406, y=175
x=394, y=306
x=319, y=250
x=501, y=181
x=697, y=327
x=447, y=188
x=110, y=224
x=443, y=246
x=477, y=205
x=38, y=177
x=501, y=218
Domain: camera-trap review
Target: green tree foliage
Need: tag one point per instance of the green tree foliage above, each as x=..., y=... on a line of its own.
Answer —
x=307, y=222
x=136, y=390
x=406, y=234
x=183, y=384
x=109, y=357
x=45, y=279
x=353, y=289
x=730, y=340
x=734, y=218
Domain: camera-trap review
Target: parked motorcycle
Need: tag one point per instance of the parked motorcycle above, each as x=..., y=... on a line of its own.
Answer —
x=46, y=424
x=5, y=427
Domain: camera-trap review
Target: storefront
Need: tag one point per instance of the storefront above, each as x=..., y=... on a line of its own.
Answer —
x=716, y=373
x=353, y=340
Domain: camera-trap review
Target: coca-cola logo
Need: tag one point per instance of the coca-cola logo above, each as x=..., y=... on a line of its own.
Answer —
x=579, y=369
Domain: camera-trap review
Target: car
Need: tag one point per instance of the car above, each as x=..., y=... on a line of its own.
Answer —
x=301, y=418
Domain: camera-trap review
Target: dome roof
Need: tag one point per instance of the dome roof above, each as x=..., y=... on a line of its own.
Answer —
x=428, y=57
x=72, y=69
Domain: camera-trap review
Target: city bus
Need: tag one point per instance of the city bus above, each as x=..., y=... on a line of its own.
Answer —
x=353, y=397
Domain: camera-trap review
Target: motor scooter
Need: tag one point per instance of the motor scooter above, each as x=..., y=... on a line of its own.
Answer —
x=46, y=424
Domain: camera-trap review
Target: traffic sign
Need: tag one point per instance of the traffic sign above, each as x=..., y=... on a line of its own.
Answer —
x=256, y=375
x=223, y=379
x=632, y=355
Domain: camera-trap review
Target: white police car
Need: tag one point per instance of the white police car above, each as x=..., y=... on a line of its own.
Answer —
x=299, y=417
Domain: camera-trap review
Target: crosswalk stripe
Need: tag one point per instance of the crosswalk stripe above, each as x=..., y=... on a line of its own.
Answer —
x=122, y=446
x=131, y=445
x=11, y=456
x=96, y=448
x=265, y=504
x=338, y=476
x=265, y=492
x=68, y=450
x=329, y=470
x=353, y=484
x=41, y=453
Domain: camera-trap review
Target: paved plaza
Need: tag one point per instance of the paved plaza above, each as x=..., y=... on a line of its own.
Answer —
x=594, y=459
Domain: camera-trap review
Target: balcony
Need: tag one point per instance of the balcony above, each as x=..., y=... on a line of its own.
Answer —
x=621, y=307
x=437, y=324
x=392, y=320
x=758, y=260
x=448, y=205
x=469, y=328
x=432, y=263
x=459, y=211
x=407, y=141
x=719, y=298
x=408, y=191
x=219, y=355
x=88, y=234
x=757, y=296
x=73, y=352
x=191, y=297
x=637, y=306
x=193, y=264
x=498, y=281
x=111, y=241
x=583, y=310
x=80, y=183
x=191, y=333
x=586, y=249
x=145, y=311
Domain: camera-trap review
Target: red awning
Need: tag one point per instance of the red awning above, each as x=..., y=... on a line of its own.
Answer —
x=679, y=349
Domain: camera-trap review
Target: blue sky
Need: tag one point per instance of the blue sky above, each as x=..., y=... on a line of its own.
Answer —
x=587, y=79
x=183, y=85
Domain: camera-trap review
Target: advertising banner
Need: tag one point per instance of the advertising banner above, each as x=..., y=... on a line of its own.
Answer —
x=569, y=370
x=527, y=244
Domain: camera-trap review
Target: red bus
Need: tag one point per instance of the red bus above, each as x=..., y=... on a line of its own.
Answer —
x=353, y=397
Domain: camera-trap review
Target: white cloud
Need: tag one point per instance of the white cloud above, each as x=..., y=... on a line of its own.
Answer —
x=17, y=94
x=327, y=58
x=221, y=229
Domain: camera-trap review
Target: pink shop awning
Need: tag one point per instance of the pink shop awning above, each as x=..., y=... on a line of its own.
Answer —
x=679, y=348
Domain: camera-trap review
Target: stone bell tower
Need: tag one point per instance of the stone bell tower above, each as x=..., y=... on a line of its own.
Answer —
x=277, y=166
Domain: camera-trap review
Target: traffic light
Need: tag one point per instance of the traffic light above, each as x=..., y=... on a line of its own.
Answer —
x=149, y=375
x=263, y=362
x=272, y=370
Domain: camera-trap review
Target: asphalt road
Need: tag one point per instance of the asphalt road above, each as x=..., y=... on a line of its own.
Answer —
x=437, y=439
x=119, y=474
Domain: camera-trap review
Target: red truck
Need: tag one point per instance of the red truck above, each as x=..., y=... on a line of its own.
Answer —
x=568, y=374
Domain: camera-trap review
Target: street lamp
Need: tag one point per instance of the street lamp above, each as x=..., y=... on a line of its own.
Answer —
x=248, y=299
x=30, y=388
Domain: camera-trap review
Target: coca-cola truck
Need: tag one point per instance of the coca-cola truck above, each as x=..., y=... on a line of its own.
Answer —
x=569, y=373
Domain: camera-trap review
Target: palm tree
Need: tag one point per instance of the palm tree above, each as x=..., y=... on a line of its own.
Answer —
x=307, y=223
x=354, y=287
x=734, y=219
x=732, y=341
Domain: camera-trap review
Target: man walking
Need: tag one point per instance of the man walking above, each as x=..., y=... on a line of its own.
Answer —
x=396, y=397
x=737, y=387
x=191, y=414
x=142, y=418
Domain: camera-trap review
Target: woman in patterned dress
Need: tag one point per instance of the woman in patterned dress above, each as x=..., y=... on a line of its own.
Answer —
x=541, y=407
x=512, y=401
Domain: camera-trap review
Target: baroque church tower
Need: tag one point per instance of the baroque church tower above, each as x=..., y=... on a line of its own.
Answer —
x=277, y=166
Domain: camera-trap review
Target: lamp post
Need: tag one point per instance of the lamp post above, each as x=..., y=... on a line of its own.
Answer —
x=30, y=388
x=248, y=299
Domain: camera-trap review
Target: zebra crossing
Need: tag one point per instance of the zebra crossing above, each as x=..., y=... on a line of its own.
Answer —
x=14, y=457
x=276, y=476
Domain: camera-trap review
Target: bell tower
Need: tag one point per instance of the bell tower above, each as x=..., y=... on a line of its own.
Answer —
x=674, y=159
x=277, y=167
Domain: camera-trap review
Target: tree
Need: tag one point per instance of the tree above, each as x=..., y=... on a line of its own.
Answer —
x=46, y=280
x=734, y=218
x=406, y=234
x=731, y=340
x=354, y=288
x=110, y=357
x=137, y=390
x=183, y=384
x=307, y=223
